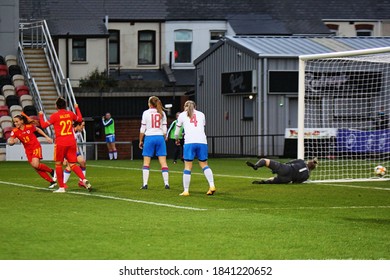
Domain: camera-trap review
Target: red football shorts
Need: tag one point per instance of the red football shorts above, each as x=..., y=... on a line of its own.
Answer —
x=34, y=153
x=65, y=152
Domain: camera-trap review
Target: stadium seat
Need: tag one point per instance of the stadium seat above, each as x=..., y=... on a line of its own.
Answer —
x=8, y=90
x=2, y=100
x=5, y=121
x=4, y=110
x=12, y=100
x=15, y=110
x=11, y=60
x=14, y=70
x=7, y=132
x=25, y=100
x=5, y=80
x=18, y=80
x=22, y=90
x=3, y=70
x=30, y=110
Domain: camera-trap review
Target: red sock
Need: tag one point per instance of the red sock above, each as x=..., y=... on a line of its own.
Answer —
x=44, y=175
x=60, y=176
x=44, y=167
x=77, y=170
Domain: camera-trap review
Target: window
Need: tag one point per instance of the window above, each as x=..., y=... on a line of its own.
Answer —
x=79, y=50
x=146, y=47
x=114, y=47
x=248, y=108
x=334, y=28
x=364, y=29
x=215, y=36
x=183, y=46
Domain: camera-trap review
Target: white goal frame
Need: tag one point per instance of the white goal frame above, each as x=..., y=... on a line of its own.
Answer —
x=301, y=100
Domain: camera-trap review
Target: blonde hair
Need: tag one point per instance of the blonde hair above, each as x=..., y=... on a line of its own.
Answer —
x=312, y=164
x=155, y=102
x=189, y=106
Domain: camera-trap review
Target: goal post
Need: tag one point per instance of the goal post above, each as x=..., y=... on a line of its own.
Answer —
x=344, y=113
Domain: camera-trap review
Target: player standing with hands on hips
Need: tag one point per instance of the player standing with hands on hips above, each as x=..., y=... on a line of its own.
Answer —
x=152, y=139
x=65, y=142
x=195, y=145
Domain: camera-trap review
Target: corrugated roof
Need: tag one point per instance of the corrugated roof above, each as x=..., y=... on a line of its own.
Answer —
x=296, y=46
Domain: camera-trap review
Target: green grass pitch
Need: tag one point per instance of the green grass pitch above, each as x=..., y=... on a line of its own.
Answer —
x=118, y=221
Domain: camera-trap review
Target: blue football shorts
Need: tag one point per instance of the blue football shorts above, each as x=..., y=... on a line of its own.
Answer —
x=195, y=150
x=154, y=145
x=110, y=138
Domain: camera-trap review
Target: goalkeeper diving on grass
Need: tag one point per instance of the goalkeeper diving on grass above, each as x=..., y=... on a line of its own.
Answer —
x=295, y=171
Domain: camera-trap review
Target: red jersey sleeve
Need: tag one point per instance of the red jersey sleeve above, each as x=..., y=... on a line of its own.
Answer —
x=78, y=114
x=42, y=121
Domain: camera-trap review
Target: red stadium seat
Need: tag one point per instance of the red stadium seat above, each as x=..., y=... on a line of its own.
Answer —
x=4, y=110
x=3, y=70
x=7, y=132
x=22, y=90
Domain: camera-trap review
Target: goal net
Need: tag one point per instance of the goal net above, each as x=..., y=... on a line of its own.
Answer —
x=344, y=113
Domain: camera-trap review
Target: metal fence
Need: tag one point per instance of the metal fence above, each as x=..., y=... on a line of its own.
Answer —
x=246, y=145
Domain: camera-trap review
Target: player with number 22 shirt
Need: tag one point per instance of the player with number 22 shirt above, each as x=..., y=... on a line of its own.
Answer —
x=65, y=142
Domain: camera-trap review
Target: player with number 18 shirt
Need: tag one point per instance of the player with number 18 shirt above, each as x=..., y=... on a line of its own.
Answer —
x=152, y=139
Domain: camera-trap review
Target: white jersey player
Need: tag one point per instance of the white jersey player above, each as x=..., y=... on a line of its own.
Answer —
x=152, y=139
x=195, y=145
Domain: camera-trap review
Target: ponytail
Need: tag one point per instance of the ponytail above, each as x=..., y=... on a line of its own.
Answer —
x=189, y=106
x=155, y=102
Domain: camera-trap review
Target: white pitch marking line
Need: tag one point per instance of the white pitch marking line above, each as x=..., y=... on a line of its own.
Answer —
x=110, y=197
x=200, y=209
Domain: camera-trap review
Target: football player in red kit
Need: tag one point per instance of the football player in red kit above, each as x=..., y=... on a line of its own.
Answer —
x=24, y=131
x=65, y=142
